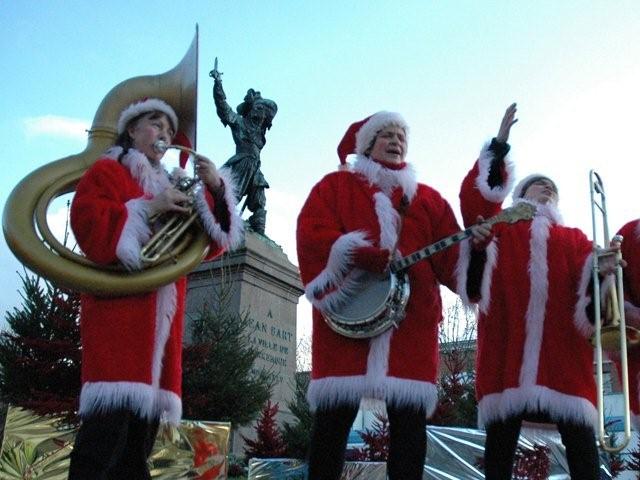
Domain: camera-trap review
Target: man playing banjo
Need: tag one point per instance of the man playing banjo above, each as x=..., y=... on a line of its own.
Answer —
x=353, y=222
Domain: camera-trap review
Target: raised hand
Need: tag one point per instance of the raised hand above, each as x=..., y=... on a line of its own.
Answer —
x=507, y=122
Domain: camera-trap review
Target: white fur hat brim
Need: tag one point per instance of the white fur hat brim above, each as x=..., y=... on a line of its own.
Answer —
x=377, y=121
x=144, y=106
x=521, y=188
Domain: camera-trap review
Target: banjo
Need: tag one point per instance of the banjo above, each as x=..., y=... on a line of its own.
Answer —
x=380, y=299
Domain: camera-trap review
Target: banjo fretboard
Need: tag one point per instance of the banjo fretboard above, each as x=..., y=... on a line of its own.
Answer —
x=521, y=211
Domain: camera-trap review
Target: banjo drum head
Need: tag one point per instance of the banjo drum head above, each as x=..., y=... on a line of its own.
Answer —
x=367, y=302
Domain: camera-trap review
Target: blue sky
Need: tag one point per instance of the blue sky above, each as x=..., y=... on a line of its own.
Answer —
x=451, y=68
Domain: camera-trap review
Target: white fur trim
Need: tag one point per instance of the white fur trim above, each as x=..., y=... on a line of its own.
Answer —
x=144, y=106
x=487, y=276
x=559, y=406
x=496, y=194
x=166, y=300
x=233, y=238
x=102, y=397
x=378, y=359
x=538, y=296
x=388, y=220
x=385, y=178
x=171, y=405
x=462, y=271
x=152, y=180
x=135, y=233
x=336, y=272
x=580, y=318
x=334, y=391
x=142, y=399
x=378, y=121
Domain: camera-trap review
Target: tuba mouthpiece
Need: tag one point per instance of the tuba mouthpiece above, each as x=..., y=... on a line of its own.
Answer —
x=160, y=146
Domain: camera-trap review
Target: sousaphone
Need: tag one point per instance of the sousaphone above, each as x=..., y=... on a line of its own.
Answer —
x=24, y=220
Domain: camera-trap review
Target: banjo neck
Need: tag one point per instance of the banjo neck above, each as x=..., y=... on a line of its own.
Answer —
x=521, y=211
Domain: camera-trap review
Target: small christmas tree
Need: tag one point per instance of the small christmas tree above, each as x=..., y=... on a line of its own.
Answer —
x=376, y=440
x=269, y=442
x=40, y=352
x=220, y=380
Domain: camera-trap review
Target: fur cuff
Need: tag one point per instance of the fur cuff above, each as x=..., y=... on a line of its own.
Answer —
x=499, y=193
x=227, y=240
x=334, y=284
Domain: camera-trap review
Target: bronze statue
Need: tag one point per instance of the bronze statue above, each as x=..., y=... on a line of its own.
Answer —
x=248, y=127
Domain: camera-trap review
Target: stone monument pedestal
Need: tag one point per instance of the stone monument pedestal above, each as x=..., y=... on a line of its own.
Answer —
x=267, y=285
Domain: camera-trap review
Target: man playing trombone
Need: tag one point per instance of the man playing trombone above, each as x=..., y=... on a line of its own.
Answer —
x=532, y=283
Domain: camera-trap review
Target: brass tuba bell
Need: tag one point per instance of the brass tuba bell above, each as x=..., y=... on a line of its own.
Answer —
x=24, y=219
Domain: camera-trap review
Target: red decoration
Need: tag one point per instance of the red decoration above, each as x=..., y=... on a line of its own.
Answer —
x=269, y=442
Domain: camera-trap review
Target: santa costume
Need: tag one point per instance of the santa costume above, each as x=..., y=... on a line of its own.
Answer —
x=132, y=345
x=532, y=285
x=347, y=213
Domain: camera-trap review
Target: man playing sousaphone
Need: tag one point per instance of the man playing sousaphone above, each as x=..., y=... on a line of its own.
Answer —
x=132, y=345
x=532, y=285
x=353, y=221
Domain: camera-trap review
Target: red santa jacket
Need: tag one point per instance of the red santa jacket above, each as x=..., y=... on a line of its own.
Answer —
x=132, y=345
x=351, y=209
x=532, y=347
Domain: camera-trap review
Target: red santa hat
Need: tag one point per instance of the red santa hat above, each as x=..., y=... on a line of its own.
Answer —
x=522, y=186
x=360, y=135
x=146, y=105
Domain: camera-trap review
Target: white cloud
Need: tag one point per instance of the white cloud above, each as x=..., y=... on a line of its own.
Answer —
x=55, y=126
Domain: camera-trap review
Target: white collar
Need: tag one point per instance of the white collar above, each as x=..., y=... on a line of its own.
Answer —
x=385, y=178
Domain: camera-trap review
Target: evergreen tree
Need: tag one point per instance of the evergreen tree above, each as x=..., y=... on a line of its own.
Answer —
x=269, y=442
x=220, y=381
x=40, y=352
x=376, y=441
x=297, y=435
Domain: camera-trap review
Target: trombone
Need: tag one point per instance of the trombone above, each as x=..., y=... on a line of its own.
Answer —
x=612, y=336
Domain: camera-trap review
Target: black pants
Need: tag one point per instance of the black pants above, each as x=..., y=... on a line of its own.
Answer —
x=407, y=449
x=502, y=440
x=112, y=446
